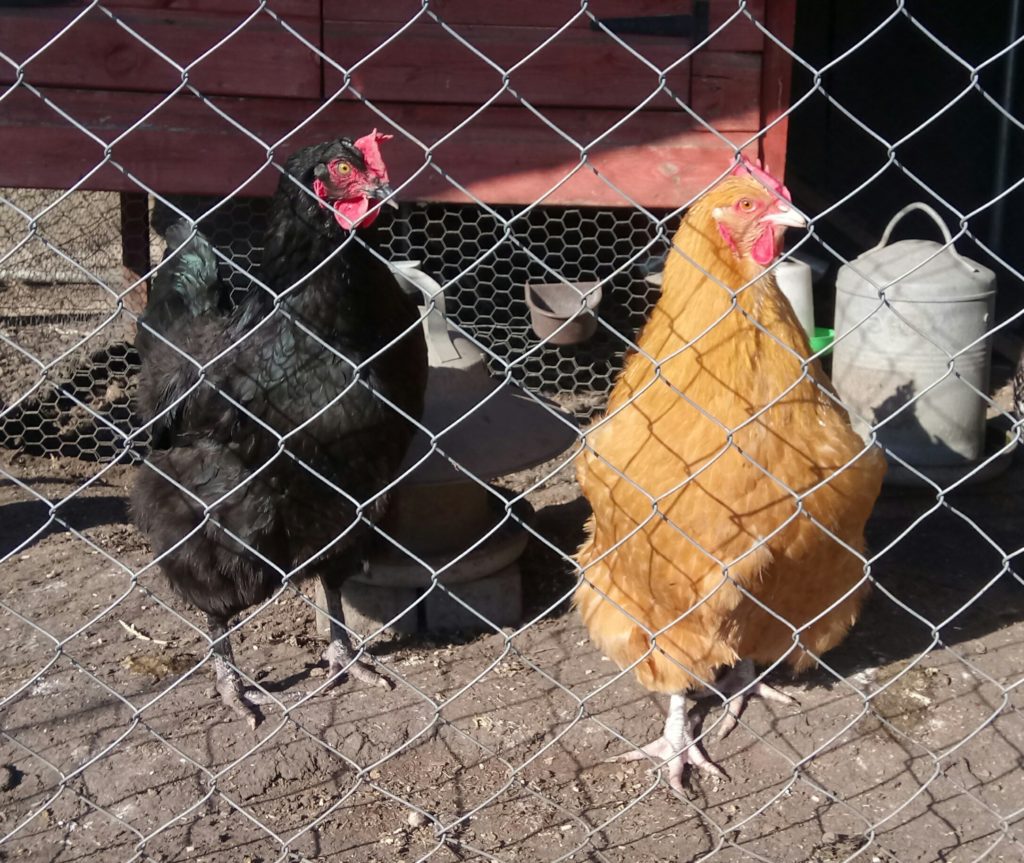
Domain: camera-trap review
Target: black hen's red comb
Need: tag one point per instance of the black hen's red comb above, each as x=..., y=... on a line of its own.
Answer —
x=369, y=146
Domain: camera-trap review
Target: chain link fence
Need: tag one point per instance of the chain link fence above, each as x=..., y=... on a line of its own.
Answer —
x=906, y=744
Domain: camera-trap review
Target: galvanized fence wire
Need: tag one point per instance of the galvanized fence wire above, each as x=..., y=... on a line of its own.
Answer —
x=285, y=720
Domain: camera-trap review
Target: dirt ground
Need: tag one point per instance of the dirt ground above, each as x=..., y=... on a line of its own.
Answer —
x=907, y=747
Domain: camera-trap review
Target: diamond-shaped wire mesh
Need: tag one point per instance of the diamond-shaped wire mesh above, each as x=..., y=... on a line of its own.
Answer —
x=557, y=142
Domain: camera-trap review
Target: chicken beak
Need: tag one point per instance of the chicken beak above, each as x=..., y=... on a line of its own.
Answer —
x=785, y=216
x=384, y=193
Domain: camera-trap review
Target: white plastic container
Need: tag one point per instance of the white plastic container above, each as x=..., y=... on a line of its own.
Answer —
x=794, y=280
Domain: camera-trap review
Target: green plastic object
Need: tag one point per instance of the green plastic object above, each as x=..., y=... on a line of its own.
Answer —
x=822, y=339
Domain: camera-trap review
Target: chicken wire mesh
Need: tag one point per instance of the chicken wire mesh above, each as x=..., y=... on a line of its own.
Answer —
x=584, y=245
x=906, y=744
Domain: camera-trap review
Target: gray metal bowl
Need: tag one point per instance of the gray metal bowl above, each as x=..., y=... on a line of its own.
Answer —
x=563, y=313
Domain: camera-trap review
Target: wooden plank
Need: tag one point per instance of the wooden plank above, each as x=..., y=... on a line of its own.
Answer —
x=776, y=78
x=654, y=160
x=550, y=14
x=726, y=89
x=505, y=155
x=96, y=52
x=732, y=29
x=284, y=8
x=528, y=13
x=425, y=64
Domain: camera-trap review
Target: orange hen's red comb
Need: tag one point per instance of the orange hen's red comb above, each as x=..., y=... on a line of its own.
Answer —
x=755, y=170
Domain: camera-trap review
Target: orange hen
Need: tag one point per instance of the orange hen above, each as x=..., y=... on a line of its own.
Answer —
x=729, y=491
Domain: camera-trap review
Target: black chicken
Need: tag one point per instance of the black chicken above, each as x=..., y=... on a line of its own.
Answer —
x=272, y=460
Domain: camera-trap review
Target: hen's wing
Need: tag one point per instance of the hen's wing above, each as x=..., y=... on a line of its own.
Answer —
x=185, y=286
x=183, y=324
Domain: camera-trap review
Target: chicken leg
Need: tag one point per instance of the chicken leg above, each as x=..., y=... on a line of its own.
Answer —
x=340, y=654
x=676, y=747
x=739, y=687
x=243, y=700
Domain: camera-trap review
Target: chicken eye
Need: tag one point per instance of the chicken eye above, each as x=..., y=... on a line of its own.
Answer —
x=745, y=204
x=342, y=167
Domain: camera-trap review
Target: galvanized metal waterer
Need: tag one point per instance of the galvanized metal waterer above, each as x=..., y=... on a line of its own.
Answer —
x=913, y=349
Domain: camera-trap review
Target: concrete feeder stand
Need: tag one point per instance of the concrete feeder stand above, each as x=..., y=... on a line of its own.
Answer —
x=444, y=512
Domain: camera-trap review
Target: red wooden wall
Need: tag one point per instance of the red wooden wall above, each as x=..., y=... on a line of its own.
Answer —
x=464, y=117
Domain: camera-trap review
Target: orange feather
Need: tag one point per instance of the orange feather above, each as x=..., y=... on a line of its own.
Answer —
x=729, y=491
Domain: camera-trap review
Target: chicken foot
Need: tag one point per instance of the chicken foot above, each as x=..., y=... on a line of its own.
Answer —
x=340, y=654
x=242, y=699
x=739, y=687
x=675, y=748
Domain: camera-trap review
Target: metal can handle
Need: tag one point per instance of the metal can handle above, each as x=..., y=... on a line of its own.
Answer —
x=931, y=211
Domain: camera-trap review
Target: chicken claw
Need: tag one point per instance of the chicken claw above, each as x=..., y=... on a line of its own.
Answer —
x=340, y=655
x=342, y=662
x=738, y=684
x=675, y=748
x=243, y=700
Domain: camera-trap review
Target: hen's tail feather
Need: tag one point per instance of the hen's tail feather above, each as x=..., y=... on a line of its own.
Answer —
x=185, y=286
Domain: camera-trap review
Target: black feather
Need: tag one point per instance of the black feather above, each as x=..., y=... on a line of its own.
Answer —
x=284, y=436
x=185, y=285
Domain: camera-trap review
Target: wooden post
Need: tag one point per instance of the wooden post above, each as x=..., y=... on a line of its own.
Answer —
x=776, y=79
x=135, y=247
